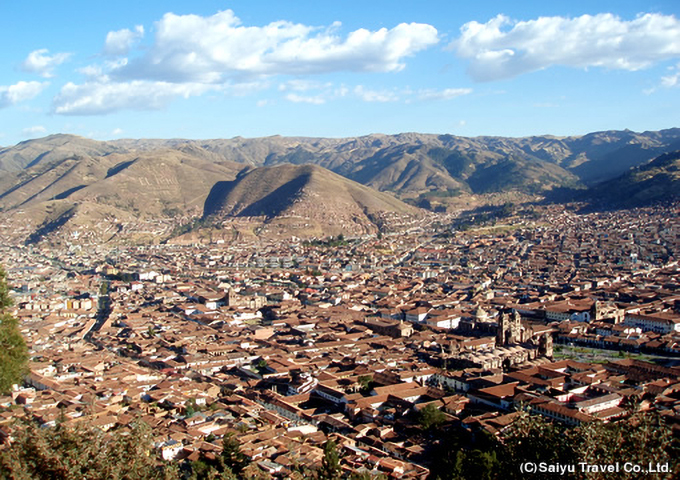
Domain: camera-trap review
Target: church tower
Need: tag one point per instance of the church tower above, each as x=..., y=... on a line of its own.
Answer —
x=509, y=330
x=545, y=346
x=596, y=311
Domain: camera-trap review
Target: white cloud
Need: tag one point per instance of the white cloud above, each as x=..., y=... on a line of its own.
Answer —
x=667, y=81
x=117, y=131
x=91, y=70
x=121, y=41
x=94, y=98
x=211, y=49
x=315, y=100
x=20, y=92
x=502, y=48
x=243, y=89
x=672, y=80
x=38, y=61
x=446, y=94
x=35, y=130
x=319, y=93
x=303, y=85
x=368, y=95
x=100, y=72
x=193, y=54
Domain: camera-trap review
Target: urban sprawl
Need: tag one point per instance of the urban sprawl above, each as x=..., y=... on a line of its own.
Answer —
x=570, y=316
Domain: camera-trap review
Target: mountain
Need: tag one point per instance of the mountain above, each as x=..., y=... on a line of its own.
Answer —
x=413, y=164
x=303, y=200
x=81, y=192
x=407, y=164
x=144, y=184
x=55, y=147
x=69, y=183
x=656, y=181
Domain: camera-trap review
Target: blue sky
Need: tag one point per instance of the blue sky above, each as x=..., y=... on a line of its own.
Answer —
x=219, y=69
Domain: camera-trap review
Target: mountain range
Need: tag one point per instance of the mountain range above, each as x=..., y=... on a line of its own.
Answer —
x=653, y=182
x=65, y=179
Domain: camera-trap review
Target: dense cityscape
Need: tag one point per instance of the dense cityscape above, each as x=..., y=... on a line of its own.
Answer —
x=571, y=316
x=340, y=240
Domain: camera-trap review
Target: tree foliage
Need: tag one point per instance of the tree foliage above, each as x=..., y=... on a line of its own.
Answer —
x=645, y=438
x=365, y=475
x=365, y=382
x=232, y=455
x=213, y=469
x=330, y=464
x=13, y=351
x=533, y=439
x=431, y=417
x=64, y=453
x=5, y=299
x=639, y=440
x=642, y=438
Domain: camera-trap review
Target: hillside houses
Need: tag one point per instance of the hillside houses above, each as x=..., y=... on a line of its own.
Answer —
x=285, y=346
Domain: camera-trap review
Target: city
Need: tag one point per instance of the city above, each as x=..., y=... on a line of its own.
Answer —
x=339, y=240
x=575, y=317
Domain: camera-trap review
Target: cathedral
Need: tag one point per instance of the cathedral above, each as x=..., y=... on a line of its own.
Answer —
x=517, y=342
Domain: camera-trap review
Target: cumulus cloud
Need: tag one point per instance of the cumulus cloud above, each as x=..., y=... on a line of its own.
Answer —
x=446, y=94
x=94, y=98
x=35, y=130
x=503, y=48
x=38, y=61
x=210, y=49
x=121, y=41
x=192, y=54
x=20, y=92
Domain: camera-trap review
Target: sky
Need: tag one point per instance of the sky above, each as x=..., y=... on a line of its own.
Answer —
x=221, y=69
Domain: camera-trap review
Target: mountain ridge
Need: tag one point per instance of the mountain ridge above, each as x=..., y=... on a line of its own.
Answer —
x=307, y=198
x=589, y=157
x=167, y=179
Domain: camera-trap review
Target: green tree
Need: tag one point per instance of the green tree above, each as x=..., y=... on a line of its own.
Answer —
x=190, y=408
x=533, y=439
x=13, y=351
x=232, y=455
x=480, y=465
x=63, y=453
x=5, y=300
x=365, y=382
x=253, y=472
x=330, y=464
x=638, y=439
x=431, y=417
x=642, y=438
x=213, y=469
x=261, y=366
x=367, y=476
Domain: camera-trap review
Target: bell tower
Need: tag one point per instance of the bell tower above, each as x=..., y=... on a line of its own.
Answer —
x=509, y=330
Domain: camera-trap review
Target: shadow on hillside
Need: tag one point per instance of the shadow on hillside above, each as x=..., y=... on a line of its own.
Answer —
x=270, y=205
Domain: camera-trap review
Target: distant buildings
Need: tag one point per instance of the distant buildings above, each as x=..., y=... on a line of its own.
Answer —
x=242, y=339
